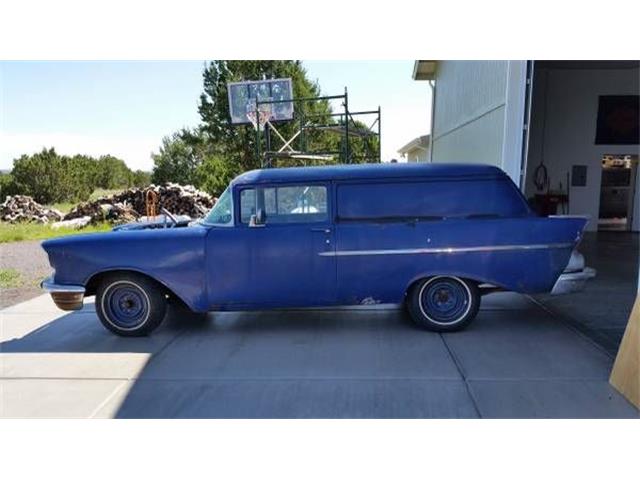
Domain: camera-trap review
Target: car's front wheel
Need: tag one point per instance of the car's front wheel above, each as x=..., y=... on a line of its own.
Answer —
x=443, y=303
x=130, y=305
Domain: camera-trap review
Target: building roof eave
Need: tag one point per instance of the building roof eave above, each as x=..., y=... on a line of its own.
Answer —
x=424, y=70
x=421, y=142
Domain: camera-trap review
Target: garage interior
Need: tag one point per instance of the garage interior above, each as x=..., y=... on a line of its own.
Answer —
x=574, y=166
x=582, y=154
x=581, y=158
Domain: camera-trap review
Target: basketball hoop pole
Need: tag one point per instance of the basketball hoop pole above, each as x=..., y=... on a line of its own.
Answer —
x=257, y=132
x=267, y=136
x=346, y=127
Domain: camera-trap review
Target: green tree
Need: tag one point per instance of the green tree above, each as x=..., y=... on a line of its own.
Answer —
x=51, y=178
x=363, y=147
x=141, y=179
x=41, y=175
x=111, y=173
x=237, y=142
x=212, y=175
x=190, y=157
x=78, y=177
x=212, y=154
x=178, y=159
x=7, y=186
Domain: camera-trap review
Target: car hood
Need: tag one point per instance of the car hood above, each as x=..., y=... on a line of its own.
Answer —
x=134, y=232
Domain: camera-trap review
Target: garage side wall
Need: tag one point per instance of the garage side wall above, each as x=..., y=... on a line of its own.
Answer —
x=471, y=111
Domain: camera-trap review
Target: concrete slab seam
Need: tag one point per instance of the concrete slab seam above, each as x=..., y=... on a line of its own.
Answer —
x=570, y=325
x=458, y=365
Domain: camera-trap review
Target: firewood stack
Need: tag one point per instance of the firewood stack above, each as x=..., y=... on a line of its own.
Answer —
x=128, y=205
x=23, y=208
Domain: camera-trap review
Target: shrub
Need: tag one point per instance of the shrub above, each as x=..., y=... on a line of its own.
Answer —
x=52, y=178
x=7, y=186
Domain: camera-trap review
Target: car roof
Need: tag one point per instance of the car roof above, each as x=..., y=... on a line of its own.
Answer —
x=366, y=171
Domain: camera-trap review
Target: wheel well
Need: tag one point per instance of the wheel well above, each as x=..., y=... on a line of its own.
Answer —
x=416, y=281
x=92, y=284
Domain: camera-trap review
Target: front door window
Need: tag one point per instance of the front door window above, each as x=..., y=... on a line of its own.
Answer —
x=285, y=205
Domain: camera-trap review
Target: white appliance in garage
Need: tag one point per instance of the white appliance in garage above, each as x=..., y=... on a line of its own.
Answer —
x=617, y=192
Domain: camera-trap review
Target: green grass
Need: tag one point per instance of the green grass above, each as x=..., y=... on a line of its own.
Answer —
x=103, y=192
x=33, y=231
x=64, y=207
x=10, y=278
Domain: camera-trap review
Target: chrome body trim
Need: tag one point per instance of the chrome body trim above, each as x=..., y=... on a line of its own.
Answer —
x=66, y=297
x=584, y=217
x=49, y=286
x=572, y=282
x=436, y=250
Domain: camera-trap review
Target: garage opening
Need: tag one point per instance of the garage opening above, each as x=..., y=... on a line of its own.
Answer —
x=582, y=159
x=583, y=141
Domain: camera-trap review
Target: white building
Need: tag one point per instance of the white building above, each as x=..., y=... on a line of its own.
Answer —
x=417, y=150
x=574, y=123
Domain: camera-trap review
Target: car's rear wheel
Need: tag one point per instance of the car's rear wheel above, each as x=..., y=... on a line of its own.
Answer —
x=443, y=303
x=130, y=305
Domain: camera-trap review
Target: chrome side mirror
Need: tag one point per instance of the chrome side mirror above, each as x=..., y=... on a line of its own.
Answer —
x=258, y=219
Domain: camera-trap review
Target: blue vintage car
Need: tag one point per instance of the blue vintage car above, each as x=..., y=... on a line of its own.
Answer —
x=435, y=237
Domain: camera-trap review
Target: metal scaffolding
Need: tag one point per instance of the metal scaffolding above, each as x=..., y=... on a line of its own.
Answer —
x=297, y=148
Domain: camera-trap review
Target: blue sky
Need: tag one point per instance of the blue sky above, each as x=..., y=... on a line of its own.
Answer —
x=125, y=108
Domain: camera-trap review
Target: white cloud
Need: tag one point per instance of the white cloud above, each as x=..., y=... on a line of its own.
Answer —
x=135, y=151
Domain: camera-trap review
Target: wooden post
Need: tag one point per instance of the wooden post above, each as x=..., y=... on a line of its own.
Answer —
x=625, y=376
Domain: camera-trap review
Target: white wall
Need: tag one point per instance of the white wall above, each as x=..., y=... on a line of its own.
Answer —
x=563, y=129
x=477, y=103
x=418, y=155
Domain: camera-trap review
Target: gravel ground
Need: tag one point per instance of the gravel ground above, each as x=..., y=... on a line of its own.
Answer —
x=29, y=259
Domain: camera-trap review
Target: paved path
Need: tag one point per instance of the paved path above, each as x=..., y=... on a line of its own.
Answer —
x=31, y=261
x=514, y=361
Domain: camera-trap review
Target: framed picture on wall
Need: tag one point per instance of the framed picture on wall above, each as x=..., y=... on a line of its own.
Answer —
x=618, y=120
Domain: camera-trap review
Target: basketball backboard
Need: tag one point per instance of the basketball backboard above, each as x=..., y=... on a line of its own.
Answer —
x=242, y=99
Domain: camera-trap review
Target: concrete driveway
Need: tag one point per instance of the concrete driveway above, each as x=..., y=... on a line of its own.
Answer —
x=516, y=360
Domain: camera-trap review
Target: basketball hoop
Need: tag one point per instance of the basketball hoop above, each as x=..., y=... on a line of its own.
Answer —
x=262, y=117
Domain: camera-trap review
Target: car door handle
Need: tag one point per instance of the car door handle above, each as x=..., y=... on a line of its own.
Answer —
x=323, y=230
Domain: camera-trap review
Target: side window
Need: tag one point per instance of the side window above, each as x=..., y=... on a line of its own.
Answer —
x=289, y=204
x=430, y=199
x=304, y=201
x=247, y=204
x=270, y=202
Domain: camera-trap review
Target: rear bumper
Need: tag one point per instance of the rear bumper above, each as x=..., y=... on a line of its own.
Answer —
x=66, y=297
x=573, y=281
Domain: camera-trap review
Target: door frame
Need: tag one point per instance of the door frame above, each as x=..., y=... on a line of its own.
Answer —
x=324, y=227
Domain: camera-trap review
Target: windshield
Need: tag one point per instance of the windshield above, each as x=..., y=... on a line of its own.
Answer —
x=221, y=213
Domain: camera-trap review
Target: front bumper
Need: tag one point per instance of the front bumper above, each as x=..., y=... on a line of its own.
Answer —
x=66, y=297
x=573, y=281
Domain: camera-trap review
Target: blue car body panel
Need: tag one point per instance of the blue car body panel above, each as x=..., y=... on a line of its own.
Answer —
x=521, y=254
x=174, y=257
x=358, y=254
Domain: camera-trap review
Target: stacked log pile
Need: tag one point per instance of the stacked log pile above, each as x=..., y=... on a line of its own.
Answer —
x=129, y=205
x=23, y=208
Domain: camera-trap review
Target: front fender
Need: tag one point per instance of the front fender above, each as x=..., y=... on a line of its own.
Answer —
x=175, y=257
